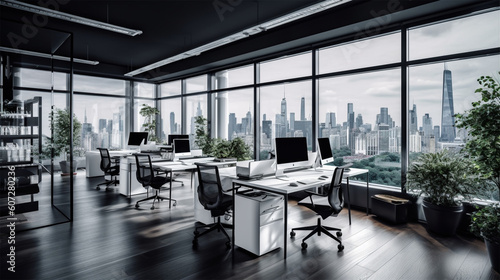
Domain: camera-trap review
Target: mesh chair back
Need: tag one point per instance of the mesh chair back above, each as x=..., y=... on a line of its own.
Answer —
x=210, y=189
x=335, y=194
x=105, y=159
x=144, y=173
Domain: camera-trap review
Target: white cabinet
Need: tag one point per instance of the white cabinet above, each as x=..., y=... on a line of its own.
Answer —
x=128, y=180
x=258, y=222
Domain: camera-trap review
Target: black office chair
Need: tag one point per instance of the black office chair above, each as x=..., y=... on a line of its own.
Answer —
x=212, y=198
x=336, y=203
x=110, y=166
x=165, y=150
x=145, y=174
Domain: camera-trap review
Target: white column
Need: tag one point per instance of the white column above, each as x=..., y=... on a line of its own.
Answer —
x=222, y=111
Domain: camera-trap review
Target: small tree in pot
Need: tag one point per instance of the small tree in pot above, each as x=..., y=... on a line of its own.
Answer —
x=445, y=179
x=60, y=123
x=482, y=123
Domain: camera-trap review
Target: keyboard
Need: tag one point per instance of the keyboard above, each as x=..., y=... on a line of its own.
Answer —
x=308, y=181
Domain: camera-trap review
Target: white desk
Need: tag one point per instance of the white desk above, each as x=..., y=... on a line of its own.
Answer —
x=168, y=167
x=93, y=161
x=281, y=187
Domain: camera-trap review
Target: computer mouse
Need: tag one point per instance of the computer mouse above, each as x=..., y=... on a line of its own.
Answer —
x=293, y=184
x=323, y=177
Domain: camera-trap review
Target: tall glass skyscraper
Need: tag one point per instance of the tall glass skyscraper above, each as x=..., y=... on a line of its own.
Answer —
x=447, y=112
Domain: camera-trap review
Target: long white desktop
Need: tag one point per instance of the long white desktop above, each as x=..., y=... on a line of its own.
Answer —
x=281, y=187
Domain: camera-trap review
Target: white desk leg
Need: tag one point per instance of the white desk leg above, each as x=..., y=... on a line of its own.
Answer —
x=170, y=191
x=285, y=222
x=367, y=194
x=349, y=200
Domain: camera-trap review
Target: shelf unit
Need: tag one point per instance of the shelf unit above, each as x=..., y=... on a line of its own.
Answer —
x=19, y=130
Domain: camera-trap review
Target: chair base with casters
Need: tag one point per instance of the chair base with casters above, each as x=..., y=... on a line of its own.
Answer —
x=320, y=229
x=211, y=227
x=154, y=198
x=108, y=183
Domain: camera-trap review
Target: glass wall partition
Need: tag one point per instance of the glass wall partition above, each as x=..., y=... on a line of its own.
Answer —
x=36, y=141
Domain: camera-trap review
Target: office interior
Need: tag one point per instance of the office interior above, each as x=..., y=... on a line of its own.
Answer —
x=370, y=76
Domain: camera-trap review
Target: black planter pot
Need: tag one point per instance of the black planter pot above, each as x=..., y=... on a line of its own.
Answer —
x=65, y=167
x=494, y=253
x=441, y=219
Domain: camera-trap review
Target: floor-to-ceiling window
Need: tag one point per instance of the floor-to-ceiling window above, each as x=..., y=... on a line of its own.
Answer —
x=101, y=107
x=361, y=115
x=171, y=109
x=285, y=111
x=445, y=62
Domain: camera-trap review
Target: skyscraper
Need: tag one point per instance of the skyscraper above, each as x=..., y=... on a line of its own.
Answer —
x=331, y=120
x=350, y=112
x=231, y=126
x=173, y=125
x=447, y=111
x=413, y=120
x=283, y=119
x=302, y=109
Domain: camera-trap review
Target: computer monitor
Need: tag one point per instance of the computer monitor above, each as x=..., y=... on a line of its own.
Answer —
x=325, y=151
x=135, y=139
x=182, y=147
x=171, y=137
x=290, y=153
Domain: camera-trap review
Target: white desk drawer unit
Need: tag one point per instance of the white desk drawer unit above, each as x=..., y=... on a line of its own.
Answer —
x=258, y=222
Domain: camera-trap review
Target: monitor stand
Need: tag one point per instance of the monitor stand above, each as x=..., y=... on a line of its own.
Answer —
x=280, y=174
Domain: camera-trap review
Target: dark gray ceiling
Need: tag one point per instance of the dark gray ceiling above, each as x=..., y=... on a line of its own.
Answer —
x=172, y=27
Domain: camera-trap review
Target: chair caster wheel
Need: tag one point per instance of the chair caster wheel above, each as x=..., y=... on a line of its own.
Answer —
x=196, y=233
x=136, y=205
x=152, y=208
x=228, y=244
x=195, y=243
x=304, y=245
x=339, y=233
x=98, y=188
x=292, y=233
x=340, y=247
x=175, y=203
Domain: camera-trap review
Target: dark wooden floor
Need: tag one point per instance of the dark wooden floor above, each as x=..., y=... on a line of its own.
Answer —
x=110, y=239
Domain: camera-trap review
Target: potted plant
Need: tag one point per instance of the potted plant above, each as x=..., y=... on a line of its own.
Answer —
x=60, y=122
x=149, y=113
x=483, y=144
x=485, y=223
x=219, y=148
x=445, y=180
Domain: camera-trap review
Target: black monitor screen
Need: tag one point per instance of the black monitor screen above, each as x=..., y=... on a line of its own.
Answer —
x=171, y=137
x=135, y=138
x=181, y=146
x=292, y=149
x=324, y=148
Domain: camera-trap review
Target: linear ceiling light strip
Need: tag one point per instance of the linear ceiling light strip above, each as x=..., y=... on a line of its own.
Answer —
x=313, y=9
x=68, y=17
x=46, y=55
